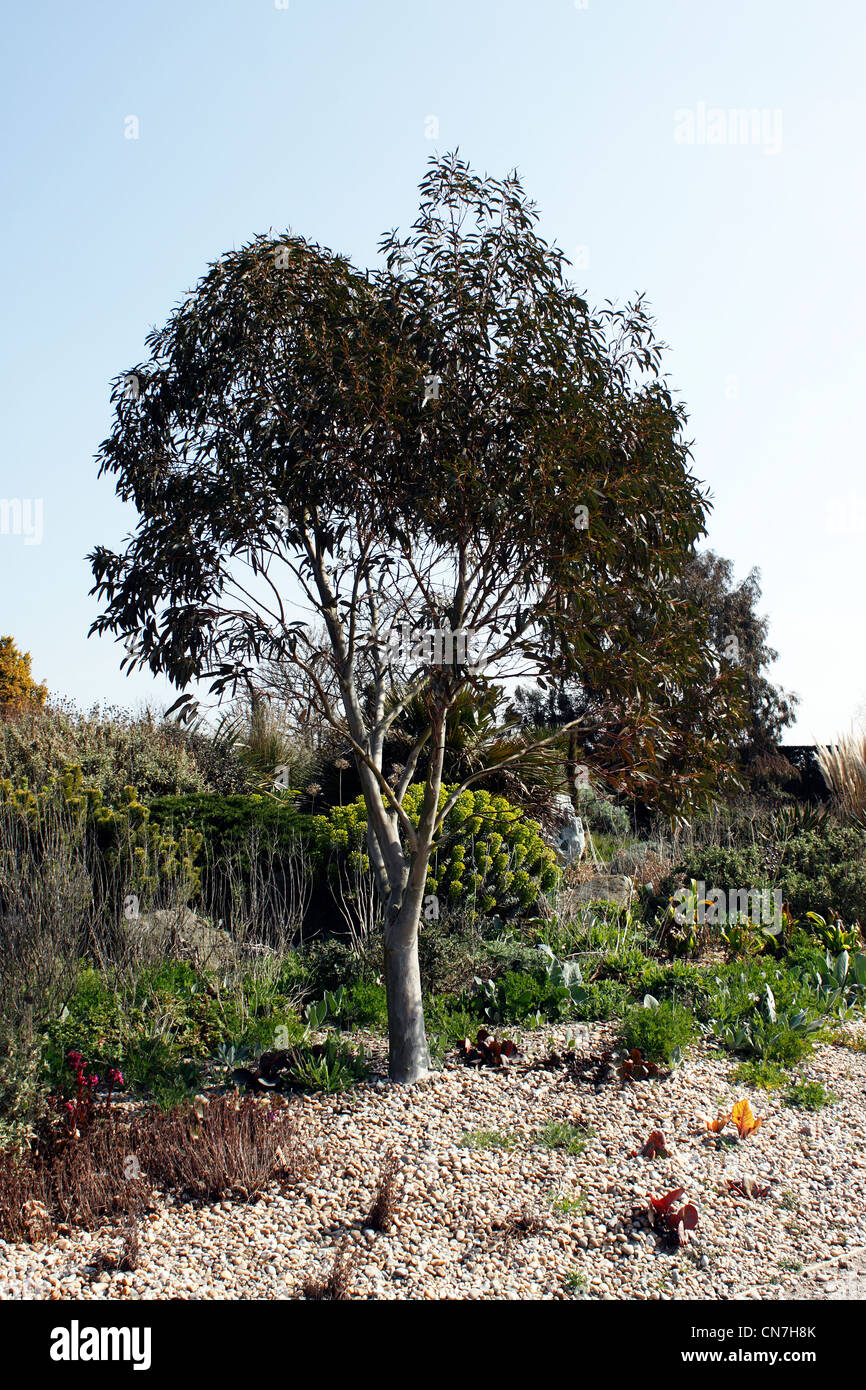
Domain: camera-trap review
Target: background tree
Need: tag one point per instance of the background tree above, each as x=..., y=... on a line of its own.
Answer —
x=733, y=612
x=453, y=442
x=18, y=690
x=738, y=634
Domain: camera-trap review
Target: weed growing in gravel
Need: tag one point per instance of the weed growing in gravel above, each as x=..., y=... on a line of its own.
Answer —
x=383, y=1211
x=336, y=1282
x=810, y=1095
x=569, y=1206
x=124, y=1260
x=762, y=1075
x=560, y=1135
x=660, y=1032
x=575, y=1283
x=487, y=1139
x=130, y=1250
x=521, y=1222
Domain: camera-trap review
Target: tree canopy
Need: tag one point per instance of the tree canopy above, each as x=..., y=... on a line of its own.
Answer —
x=453, y=442
x=738, y=633
x=17, y=687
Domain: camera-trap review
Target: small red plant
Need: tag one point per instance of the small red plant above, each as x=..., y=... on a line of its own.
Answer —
x=79, y=1111
x=113, y=1078
x=746, y=1187
x=488, y=1051
x=662, y=1205
x=669, y=1220
x=634, y=1067
x=655, y=1145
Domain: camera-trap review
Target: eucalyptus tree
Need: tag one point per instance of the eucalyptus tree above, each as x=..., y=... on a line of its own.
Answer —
x=451, y=445
x=700, y=757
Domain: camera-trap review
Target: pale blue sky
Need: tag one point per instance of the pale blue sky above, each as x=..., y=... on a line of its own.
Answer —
x=316, y=116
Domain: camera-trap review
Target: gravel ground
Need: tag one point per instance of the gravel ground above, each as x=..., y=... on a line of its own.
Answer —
x=452, y=1237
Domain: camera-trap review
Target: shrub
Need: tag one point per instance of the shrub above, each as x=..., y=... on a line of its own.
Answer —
x=681, y=982
x=820, y=869
x=784, y=1045
x=226, y=1146
x=763, y=1076
x=114, y=749
x=216, y=1149
x=239, y=821
x=521, y=996
x=601, y=999
x=601, y=814
x=449, y=954
x=17, y=687
x=604, y=928
x=330, y=963
x=327, y=1066
x=524, y=996
x=660, y=1032
x=128, y=852
x=365, y=1005
x=496, y=860
x=259, y=861
x=496, y=957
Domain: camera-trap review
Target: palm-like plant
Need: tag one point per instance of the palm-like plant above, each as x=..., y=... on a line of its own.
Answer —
x=484, y=731
x=260, y=735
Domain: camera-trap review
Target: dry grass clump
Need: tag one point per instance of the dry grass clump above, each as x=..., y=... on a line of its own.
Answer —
x=130, y=1248
x=518, y=1224
x=843, y=767
x=227, y=1147
x=336, y=1283
x=61, y=1179
x=125, y=1260
x=383, y=1212
x=653, y=868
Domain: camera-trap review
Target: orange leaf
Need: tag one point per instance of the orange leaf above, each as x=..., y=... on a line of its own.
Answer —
x=717, y=1125
x=744, y=1119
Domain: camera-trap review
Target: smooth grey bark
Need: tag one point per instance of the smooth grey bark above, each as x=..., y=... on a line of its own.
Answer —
x=408, y=1058
x=400, y=876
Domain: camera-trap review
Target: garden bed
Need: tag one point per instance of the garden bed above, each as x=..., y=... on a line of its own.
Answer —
x=520, y=1182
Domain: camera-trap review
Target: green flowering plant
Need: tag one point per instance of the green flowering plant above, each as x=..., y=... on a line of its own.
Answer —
x=489, y=859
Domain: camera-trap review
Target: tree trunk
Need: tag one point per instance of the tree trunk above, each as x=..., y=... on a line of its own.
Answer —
x=408, y=1058
x=571, y=769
